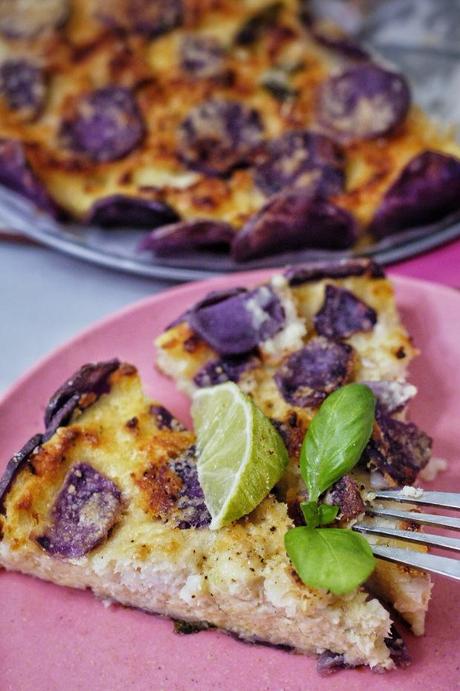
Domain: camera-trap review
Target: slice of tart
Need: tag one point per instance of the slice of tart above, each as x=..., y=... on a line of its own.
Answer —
x=289, y=343
x=108, y=499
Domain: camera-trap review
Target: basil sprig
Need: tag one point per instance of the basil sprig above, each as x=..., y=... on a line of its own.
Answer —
x=336, y=559
x=337, y=437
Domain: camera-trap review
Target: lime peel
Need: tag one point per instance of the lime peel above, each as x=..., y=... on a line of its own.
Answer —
x=241, y=456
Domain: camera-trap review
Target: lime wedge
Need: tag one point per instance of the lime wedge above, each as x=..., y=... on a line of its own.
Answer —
x=240, y=454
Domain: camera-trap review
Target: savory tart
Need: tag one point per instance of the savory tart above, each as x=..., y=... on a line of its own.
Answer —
x=289, y=343
x=245, y=126
x=108, y=498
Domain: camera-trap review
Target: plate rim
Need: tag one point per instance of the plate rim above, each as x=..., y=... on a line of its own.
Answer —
x=409, y=244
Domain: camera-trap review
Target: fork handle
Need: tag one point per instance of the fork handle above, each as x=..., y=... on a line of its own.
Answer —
x=442, y=541
x=448, y=500
x=428, y=562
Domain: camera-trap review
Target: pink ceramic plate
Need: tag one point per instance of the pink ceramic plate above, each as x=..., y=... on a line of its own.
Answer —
x=55, y=638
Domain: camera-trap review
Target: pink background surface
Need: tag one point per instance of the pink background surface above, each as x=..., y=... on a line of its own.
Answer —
x=441, y=265
x=54, y=638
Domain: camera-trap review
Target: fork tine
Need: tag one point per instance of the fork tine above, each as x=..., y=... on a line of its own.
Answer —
x=420, y=560
x=424, y=538
x=414, y=517
x=448, y=500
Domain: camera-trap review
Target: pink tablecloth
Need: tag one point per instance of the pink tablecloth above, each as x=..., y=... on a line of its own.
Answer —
x=441, y=265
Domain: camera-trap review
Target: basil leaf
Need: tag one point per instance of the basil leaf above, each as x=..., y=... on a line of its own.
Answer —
x=327, y=513
x=310, y=513
x=336, y=437
x=315, y=515
x=334, y=559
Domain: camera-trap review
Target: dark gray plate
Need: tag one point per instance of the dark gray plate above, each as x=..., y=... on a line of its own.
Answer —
x=116, y=249
x=422, y=37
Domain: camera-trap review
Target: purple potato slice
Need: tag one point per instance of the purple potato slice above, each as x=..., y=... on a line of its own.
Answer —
x=342, y=314
x=164, y=419
x=342, y=268
x=224, y=369
x=150, y=18
x=397, y=450
x=211, y=298
x=218, y=136
x=307, y=376
x=341, y=44
x=62, y=416
x=191, y=509
x=30, y=18
x=363, y=102
x=294, y=220
x=426, y=190
x=346, y=495
x=22, y=86
x=15, y=464
x=236, y=322
x=202, y=56
x=329, y=663
x=89, y=379
x=86, y=509
x=330, y=36
x=399, y=652
x=107, y=125
x=17, y=175
x=119, y=210
x=189, y=235
x=300, y=159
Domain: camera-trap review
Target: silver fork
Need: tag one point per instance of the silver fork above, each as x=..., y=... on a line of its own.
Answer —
x=421, y=560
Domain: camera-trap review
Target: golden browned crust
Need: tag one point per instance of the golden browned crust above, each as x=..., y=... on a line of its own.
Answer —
x=140, y=452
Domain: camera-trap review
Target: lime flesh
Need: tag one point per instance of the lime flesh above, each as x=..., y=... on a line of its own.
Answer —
x=241, y=456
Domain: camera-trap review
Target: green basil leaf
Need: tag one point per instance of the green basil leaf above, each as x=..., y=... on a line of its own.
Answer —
x=336, y=437
x=334, y=559
x=321, y=514
x=327, y=513
x=310, y=513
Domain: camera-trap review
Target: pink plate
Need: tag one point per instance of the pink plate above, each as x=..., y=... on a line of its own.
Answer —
x=56, y=638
